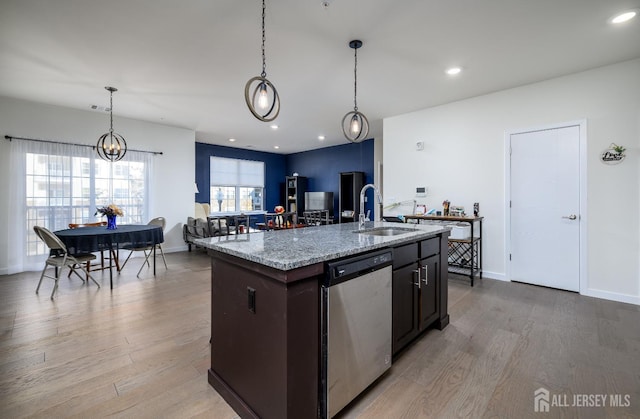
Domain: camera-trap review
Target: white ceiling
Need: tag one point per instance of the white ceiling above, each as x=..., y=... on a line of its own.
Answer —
x=185, y=63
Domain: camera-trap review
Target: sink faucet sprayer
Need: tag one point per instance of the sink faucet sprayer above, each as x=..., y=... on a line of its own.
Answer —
x=362, y=218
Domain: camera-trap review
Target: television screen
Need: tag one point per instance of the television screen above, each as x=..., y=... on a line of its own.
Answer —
x=319, y=201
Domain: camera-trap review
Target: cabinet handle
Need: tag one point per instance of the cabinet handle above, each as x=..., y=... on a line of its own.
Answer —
x=417, y=283
x=426, y=274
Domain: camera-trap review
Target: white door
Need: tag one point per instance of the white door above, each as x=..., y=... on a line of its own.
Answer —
x=545, y=207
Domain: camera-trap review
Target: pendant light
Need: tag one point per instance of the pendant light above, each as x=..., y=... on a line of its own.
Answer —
x=111, y=146
x=259, y=93
x=355, y=125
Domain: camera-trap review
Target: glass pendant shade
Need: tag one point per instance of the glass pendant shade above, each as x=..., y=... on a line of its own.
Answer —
x=355, y=125
x=111, y=146
x=262, y=99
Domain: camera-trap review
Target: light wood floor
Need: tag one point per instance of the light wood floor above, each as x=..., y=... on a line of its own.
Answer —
x=142, y=350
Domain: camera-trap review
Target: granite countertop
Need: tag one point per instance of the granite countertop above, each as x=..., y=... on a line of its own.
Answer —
x=298, y=247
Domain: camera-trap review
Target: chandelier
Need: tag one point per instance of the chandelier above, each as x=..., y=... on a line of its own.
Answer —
x=111, y=146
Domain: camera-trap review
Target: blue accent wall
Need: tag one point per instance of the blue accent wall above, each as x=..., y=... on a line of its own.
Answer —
x=322, y=167
x=275, y=168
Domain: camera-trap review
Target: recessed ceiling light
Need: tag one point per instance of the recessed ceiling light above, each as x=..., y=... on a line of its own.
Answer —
x=321, y=137
x=453, y=71
x=624, y=17
x=232, y=139
x=276, y=147
x=274, y=126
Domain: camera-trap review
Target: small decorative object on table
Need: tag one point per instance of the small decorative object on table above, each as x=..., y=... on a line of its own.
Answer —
x=456, y=211
x=279, y=209
x=445, y=207
x=111, y=211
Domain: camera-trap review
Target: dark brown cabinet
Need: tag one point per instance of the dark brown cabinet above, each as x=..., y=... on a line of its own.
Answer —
x=405, y=300
x=428, y=297
x=351, y=184
x=417, y=271
x=265, y=337
x=295, y=187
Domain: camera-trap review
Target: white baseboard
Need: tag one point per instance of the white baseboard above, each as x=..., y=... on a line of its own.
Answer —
x=613, y=296
x=494, y=275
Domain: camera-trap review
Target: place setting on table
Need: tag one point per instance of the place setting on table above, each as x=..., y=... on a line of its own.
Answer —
x=112, y=237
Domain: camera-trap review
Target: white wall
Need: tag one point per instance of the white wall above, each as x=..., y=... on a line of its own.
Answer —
x=464, y=159
x=172, y=193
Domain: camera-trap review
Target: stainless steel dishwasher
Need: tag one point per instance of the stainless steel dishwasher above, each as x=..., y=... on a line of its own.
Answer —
x=355, y=326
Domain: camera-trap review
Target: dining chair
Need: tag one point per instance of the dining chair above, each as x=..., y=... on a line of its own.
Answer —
x=242, y=223
x=113, y=257
x=271, y=221
x=313, y=218
x=59, y=257
x=147, y=250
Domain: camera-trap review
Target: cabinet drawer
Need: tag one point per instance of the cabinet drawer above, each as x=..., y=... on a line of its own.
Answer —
x=429, y=247
x=404, y=255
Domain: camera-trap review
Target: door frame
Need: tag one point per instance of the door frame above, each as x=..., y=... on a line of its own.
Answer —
x=582, y=124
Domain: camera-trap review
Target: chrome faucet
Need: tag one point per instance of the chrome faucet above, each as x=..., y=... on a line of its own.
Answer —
x=362, y=218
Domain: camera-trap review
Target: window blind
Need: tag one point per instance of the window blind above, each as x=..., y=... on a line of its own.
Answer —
x=234, y=172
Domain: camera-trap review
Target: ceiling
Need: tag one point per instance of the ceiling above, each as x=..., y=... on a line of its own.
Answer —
x=185, y=63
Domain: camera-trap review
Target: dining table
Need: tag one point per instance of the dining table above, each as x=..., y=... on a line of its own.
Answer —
x=96, y=239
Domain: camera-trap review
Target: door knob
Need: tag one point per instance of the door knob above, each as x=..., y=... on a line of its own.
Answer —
x=571, y=217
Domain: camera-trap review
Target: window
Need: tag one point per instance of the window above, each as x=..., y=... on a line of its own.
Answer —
x=236, y=185
x=62, y=190
x=53, y=185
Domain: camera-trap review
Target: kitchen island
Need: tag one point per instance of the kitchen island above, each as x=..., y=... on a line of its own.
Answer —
x=266, y=308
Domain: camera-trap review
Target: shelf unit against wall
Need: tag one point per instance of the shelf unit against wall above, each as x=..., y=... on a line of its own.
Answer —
x=349, y=195
x=465, y=253
x=295, y=187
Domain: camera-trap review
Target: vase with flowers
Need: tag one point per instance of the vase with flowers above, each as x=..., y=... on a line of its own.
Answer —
x=111, y=211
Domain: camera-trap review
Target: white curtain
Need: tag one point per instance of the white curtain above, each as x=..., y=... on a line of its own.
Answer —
x=24, y=251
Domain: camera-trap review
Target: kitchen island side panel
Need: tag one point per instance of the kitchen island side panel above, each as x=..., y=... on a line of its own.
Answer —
x=265, y=349
x=443, y=283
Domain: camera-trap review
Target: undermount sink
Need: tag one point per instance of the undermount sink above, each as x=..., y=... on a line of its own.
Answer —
x=385, y=231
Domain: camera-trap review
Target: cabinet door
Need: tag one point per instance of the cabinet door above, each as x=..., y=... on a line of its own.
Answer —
x=405, y=306
x=429, y=276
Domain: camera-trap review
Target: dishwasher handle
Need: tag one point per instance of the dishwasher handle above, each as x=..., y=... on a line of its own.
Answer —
x=345, y=269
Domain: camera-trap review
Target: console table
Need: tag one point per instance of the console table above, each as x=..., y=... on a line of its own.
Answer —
x=465, y=255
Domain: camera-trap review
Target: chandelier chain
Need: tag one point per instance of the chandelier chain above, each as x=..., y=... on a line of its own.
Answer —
x=111, y=110
x=355, y=80
x=264, y=60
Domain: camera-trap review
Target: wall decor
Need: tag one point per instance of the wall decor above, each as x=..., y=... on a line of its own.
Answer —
x=613, y=155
